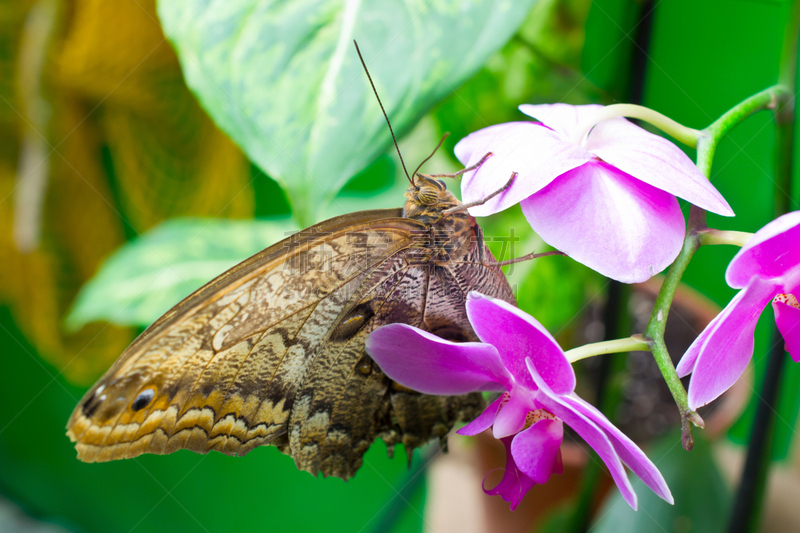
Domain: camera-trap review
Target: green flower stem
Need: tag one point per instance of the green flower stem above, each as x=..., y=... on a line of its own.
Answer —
x=680, y=132
x=628, y=344
x=705, y=140
x=770, y=98
x=697, y=233
x=777, y=97
x=767, y=99
x=715, y=236
x=658, y=322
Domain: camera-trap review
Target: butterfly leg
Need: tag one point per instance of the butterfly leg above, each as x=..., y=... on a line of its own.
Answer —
x=527, y=257
x=462, y=171
x=466, y=206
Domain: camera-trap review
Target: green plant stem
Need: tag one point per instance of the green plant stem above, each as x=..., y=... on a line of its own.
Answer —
x=770, y=98
x=684, y=134
x=658, y=323
x=704, y=140
x=628, y=344
x=777, y=97
x=715, y=236
x=766, y=99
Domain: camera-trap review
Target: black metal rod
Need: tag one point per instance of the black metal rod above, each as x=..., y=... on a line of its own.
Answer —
x=644, y=30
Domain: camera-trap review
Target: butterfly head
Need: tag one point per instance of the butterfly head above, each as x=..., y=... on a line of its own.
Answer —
x=428, y=197
x=428, y=191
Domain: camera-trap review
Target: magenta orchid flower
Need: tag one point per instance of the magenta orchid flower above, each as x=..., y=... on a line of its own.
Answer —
x=519, y=358
x=606, y=200
x=766, y=268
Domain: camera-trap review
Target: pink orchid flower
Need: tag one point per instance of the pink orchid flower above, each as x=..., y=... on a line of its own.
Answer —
x=766, y=268
x=606, y=200
x=519, y=358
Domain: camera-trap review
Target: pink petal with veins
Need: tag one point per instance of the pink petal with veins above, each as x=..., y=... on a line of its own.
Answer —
x=510, y=418
x=514, y=485
x=536, y=153
x=656, y=161
x=720, y=354
x=426, y=363
x=484, y=420
x=609, y=221
x=536, y=449
x=517, y=336
x=597, y=439
x=630, y=454
x=772, y=252
x=563, y=118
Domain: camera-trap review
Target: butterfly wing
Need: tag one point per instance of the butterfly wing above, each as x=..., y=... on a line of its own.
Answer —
x=341, y=407
x=272, y=352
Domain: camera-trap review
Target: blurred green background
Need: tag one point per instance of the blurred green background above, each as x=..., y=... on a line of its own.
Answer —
x=121, y=191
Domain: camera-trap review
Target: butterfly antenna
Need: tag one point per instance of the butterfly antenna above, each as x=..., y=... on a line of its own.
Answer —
x=441, y=142
x=384, y=112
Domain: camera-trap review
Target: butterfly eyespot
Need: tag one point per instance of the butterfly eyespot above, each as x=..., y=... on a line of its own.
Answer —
x=142, y=399
x=90, y=406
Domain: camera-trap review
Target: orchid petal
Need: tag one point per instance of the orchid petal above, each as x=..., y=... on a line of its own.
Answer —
x=597, y=439
x=689, y=359
x=484, y=421
x=563, y=118
x=787, y=318
x=536, y=449
x=422, y=361
x=632, y=456
x=770, y=253
x=656, y=161
x=589, y=431
x=510, y=417
x=721, y=353
x=609, y=221
x=536, y=153
x=515, y=484
x=558, y=467
x=517, y=335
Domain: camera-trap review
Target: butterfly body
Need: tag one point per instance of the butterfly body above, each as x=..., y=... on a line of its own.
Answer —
x=272, y=351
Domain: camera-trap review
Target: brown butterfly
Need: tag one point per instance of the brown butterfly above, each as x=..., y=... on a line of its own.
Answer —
x=272, y=351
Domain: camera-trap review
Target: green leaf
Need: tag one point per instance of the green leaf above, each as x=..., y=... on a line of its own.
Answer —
x=147, y=276
x=540, y=64
x=283, y=81
x=701, y=496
